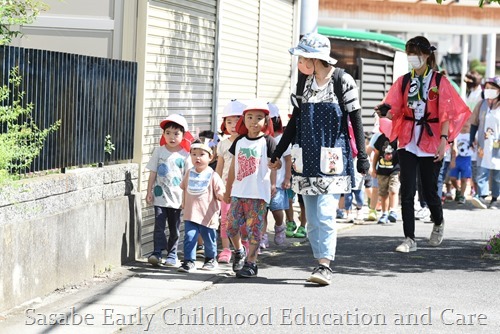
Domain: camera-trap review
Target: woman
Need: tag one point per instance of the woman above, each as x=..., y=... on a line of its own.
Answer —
x=427, y=114
x=321, y=154
x=486, y=123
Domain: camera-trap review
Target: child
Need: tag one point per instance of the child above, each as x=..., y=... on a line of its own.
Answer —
x=461, y=164
x=250, y=184
x=167, y=166
x=203, y=189
x=279, y=202
x=387, y=172
x=230, y=117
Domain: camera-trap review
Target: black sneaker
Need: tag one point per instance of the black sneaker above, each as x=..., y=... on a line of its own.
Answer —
x=210, y=264
x=187, y=267
x=321, y=275
x=248, y=270
x=239, y=259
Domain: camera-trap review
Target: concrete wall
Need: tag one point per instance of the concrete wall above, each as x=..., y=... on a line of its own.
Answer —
x=64, y=228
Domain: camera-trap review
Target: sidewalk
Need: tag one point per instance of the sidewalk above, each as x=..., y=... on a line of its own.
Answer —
x=123, y=297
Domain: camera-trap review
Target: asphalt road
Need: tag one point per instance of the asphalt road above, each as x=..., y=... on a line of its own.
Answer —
x=448, y=289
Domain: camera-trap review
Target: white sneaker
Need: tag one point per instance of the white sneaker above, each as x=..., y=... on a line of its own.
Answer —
x=423, y=214
x=436, y=237
x=409, y=245
x=479, y=202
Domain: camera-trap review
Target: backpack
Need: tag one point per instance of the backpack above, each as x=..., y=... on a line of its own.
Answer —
x=407, y=77
x=337, y=88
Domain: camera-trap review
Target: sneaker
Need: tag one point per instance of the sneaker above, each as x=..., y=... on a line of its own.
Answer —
x=479, y=202
x=210, y=264
x=279, y=234
x=187, y=267
x=494, y=205
x=461, y=199
x=155, y=260
x=248, y=270
x=423, y=214
x=448, y=197
x=341, y=214
x=225, y=255
x=171, y=262
x=200, y=251
x=409, y=245
x=321, y=275
x=264, y=241
x=359, y=213
x=291, y=226
x=436, y=237
x=384, y=219
x=239, y=259
x=372, y=215
x=301, y=232
x=393, y=216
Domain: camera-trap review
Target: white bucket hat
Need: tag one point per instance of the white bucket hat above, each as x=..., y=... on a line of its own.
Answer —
x=315, y=46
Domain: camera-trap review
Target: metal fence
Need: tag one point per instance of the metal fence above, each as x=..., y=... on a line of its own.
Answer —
x=93, y=97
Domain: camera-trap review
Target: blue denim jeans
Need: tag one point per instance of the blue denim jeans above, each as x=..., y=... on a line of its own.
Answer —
x=443, y=172
x=321, y=229
x=209, y=236
x=483, y=179
x=358, y=195
x=173, y=217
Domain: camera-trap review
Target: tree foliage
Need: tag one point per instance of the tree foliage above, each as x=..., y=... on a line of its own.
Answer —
x=14, y=14
x=21, y=140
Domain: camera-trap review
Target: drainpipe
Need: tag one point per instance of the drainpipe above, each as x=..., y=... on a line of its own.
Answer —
x=491, y=47
x=309, y=16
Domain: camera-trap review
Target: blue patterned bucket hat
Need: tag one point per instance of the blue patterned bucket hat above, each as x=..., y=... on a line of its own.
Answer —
x=314, y=45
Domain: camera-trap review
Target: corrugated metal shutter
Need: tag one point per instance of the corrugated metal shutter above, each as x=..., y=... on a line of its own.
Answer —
x=376, y=79
x=179, y=75
x=254, y=61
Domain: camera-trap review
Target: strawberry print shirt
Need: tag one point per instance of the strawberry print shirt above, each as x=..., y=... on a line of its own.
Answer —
x=252, y=177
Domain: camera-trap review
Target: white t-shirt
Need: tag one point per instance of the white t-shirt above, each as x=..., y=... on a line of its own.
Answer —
x=280, y=173
x=463, y=148
x=223, y=151
x=252, y=177
x=170, y=168
x=491, y=150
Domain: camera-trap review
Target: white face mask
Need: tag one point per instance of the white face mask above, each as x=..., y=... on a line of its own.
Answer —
x=490, y=93
x=416, y=62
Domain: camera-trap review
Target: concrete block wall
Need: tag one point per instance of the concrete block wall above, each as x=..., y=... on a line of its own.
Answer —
x=61, y=229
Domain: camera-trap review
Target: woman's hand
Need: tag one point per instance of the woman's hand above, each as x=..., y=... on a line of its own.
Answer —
x=441, y=150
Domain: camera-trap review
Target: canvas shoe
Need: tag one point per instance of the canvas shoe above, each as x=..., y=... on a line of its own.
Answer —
x=372, y=215
x=423, y=214
x=393, y=216
x=187, y=267
x=210, y=264
x=384, y=219
x=461, y=199
x=264, y=241
x=248, y=270
x=171, y=262
x=409, y=245
x=291, y=226
x=279, y=234
x=436, y=237
x=479, y=202
x=155, y=260
x=301, y=232
x=494, y=205
x=321, y=275
x=225, y=256
x=239, y=259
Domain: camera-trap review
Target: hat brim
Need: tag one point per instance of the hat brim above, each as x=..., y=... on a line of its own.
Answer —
x=300, y=51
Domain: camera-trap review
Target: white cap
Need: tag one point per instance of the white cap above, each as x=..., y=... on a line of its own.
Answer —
x=233, y=108
x=273, y=110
